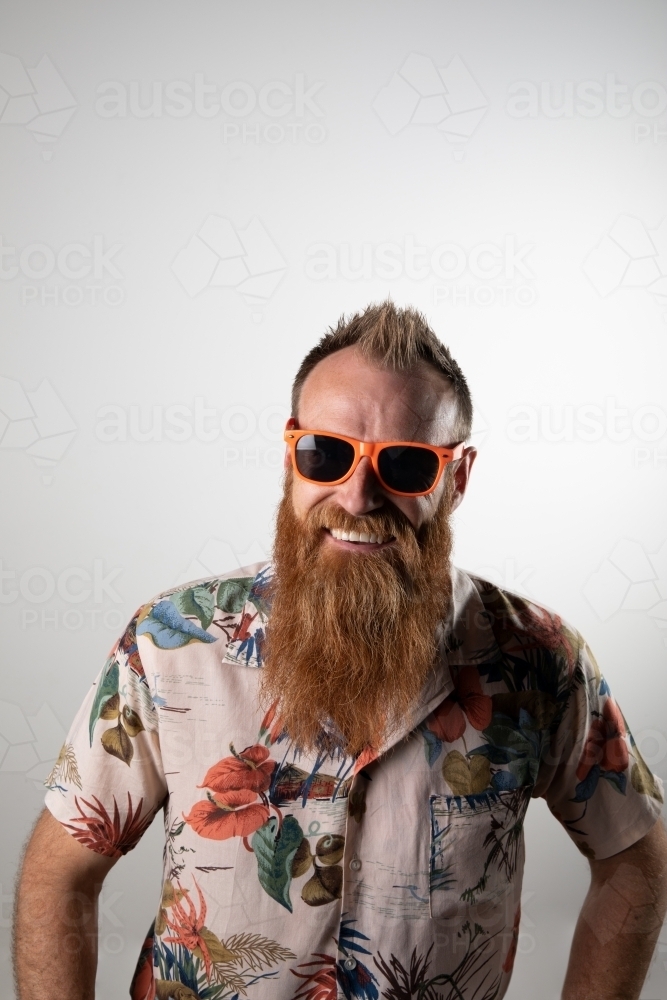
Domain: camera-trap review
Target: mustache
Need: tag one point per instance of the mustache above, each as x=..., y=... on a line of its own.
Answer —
x=387, y=521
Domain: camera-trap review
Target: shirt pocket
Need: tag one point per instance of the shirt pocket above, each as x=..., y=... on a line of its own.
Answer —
x=476, y=850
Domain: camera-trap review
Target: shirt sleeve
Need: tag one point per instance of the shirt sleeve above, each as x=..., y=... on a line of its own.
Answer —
x=592, y=775
x=108, y=781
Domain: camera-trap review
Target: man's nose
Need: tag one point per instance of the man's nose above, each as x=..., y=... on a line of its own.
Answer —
x=362, y=492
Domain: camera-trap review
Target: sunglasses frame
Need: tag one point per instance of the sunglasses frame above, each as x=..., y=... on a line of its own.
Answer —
x=371, y=449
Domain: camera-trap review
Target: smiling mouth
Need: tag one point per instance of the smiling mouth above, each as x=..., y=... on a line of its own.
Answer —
x=359, y=537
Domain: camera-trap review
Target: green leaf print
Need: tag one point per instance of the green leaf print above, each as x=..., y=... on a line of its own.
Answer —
x=106, y=689
x=642, y=780
x=197, y=601
x=496, y=755
x=508, y=737
x=524, y=770
x=232, y=594
x=275, y=852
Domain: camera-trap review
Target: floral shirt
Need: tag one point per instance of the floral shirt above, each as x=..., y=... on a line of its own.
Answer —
x=316, y=877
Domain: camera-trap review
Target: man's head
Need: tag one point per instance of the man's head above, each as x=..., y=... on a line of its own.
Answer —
x=352, y=634
x=397, y=339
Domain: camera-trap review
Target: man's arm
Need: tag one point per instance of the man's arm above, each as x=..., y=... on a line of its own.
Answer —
x=55, y=922
x=619, y=922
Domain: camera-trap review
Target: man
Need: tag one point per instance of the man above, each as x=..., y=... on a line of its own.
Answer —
x=345, y=743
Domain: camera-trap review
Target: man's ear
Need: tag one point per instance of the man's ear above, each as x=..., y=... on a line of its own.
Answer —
x=462, y=475
x=289, y=426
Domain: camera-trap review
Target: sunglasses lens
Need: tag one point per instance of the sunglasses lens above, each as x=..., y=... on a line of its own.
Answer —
x=323, y=459
x=408, y=469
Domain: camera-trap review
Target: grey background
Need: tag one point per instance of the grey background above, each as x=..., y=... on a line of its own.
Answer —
x=105, y=506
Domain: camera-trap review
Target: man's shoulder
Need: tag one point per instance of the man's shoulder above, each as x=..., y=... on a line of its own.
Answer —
x=230, y=586
x=228, y=606
x=514, y=628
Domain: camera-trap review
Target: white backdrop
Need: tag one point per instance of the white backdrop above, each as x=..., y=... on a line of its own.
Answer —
x=191, y=193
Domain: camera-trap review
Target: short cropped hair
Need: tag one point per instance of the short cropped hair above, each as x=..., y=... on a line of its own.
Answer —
x=394, y=338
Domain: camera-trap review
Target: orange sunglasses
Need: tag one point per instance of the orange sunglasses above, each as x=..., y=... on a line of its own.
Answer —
x=403, y=467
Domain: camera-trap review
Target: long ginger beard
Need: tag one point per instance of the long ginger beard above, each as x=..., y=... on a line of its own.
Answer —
x=351, y=638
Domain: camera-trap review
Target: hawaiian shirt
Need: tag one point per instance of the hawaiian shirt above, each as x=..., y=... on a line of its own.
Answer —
x=294, y=876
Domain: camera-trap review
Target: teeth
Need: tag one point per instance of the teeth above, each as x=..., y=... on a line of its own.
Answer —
x=357, y=536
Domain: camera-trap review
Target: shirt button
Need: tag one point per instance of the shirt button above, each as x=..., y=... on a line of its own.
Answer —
x=349, y=964
x=355, y=864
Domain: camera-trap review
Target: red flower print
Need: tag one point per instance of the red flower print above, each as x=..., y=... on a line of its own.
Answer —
x=543, y=628
x=605, y=744
x=366, y=757
x=105, y=834
x=320, y=982
x=271, y=724
x=230, y=814
x=241, y=630
x=508, y=964
x=448, y=721
x=251, y=769
x=187, y=927
x=142, y=986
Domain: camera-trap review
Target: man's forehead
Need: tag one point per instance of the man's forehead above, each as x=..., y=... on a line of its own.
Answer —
x=347, y=380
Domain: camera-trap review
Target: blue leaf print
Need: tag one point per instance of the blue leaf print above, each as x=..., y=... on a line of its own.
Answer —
x=616, y=780
x=504, y=781
x=585, y=788
x=260, y=591
x=347, y=933
x=170, y=630
x=432, y=745
x=358, y=983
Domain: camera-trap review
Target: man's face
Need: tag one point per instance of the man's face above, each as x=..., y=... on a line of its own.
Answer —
x=346, y=394
x=352, y=633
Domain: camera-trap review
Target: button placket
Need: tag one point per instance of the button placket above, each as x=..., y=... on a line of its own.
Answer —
x=352, y=864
